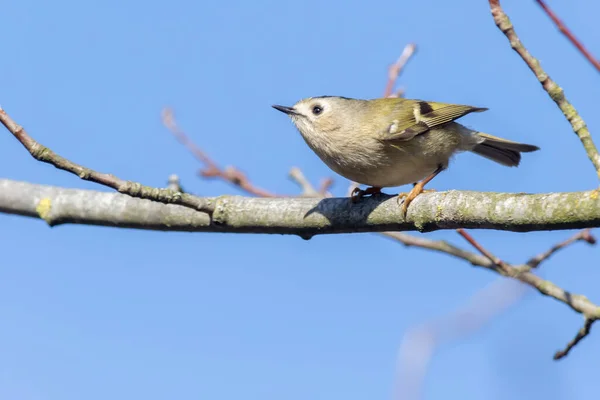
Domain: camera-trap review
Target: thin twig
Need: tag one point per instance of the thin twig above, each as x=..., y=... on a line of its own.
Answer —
x=584, y=235
x=567, y=32
x=583, y=332
x=134, y=189
x=211, y=169
x=396, y=68
x=495, y=260
x=554, y=91
x=439, y=246
x=308, y=190
x=325, y=185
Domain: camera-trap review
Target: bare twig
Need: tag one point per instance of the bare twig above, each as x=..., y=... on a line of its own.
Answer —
x=130, y=188
x=211, y=169
x=439, y=246
x=495, y=260
x=583, y=332
x=565, y=31
x=584, y=235
x=554, y=91
x=396, y=68
x=308, y=190
x=324, y=186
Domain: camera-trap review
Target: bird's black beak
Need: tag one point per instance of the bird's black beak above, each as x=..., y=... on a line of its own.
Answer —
x=286, y=110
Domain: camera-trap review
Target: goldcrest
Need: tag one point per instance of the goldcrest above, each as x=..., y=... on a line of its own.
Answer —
x=390, y=142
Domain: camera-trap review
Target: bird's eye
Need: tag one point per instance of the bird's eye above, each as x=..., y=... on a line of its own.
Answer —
x=317, y=110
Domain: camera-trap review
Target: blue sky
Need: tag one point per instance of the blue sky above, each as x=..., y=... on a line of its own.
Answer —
x=99, y=313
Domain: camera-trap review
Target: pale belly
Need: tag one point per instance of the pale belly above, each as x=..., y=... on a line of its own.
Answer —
x=388, y=166
x=401, y=172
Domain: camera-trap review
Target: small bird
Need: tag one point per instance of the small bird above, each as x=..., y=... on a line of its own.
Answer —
x=391, y=142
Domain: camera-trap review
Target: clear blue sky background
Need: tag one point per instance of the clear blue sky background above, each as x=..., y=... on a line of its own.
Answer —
x=96, y=313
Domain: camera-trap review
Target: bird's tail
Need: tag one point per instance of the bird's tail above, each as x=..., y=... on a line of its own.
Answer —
x=502, y=151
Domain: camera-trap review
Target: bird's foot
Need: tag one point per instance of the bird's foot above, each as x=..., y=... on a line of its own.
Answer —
x=358, y=193
x=407, y=198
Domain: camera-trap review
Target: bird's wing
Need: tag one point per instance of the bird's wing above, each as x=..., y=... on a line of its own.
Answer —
x=422, y=116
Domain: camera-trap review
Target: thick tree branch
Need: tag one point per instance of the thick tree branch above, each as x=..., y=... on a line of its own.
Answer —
x=308, y=217
x=556, y=92
x=58, y=206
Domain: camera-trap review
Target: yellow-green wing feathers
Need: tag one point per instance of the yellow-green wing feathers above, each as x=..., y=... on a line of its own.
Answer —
x=414, y=117
x=448, y=113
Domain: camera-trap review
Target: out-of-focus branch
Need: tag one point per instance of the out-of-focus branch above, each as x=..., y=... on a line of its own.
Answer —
x=174, y=184
x=308, y=190
x=211, y=169
x=396, y=69
x=420, y=343
x=567, y=32
x=554, y=91
x=134, y=189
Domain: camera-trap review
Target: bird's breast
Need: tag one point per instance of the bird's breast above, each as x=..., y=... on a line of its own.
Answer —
x=382, y=164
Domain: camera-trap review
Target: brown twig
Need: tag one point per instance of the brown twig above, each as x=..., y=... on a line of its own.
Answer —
x=583, y=332
x=495, y=260
x=211, y=169
x=554, y=91
x=584, y=235
x=396, y=68
x=565, y=31
x=325, y=185
x=134, y=189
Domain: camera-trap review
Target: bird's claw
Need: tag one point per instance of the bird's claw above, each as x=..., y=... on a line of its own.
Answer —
x=406, y=198
x=358, y=193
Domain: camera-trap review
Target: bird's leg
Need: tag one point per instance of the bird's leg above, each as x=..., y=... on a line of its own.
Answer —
x=417, y=189
x=424, y=190
x=358, y=193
